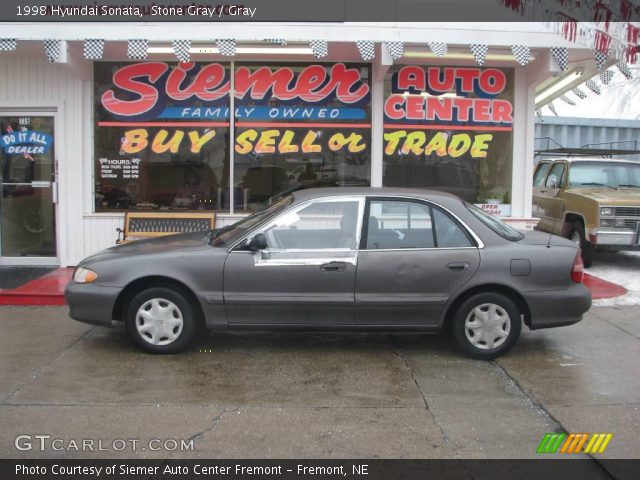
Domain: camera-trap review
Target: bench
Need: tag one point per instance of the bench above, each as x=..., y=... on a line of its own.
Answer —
x=139, y=225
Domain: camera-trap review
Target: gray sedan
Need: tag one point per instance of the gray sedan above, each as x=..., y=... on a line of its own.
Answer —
x=340, y=259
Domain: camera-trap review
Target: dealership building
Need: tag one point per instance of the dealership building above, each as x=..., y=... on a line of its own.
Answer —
x=100, y=119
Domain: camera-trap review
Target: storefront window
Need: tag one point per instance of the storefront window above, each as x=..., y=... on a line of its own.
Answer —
x=161, y=136
x=450, y=129
x=299, y=126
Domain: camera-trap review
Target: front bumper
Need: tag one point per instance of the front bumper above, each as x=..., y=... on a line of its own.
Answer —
x=558, y=307
x=91, y=303
x=619, y=239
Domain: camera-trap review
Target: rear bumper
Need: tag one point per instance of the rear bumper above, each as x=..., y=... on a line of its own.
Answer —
x=91, y=303
x=559, y=307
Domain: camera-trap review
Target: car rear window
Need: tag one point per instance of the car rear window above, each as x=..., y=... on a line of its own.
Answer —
x=495, y=224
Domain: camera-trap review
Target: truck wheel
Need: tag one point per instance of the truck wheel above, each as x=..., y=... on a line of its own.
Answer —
x=486, y=325
x=588, y=249
x=161, y=320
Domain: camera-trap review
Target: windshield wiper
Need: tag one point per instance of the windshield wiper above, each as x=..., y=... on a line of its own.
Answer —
x=596, y=184
x=629, y=185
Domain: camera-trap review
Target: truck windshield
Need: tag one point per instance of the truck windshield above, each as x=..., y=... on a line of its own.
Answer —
x=604, y=174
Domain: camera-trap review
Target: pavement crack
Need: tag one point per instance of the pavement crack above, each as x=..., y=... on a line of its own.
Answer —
x=214, y=421
x=413, y=377
x=46, y=367
x=617, y=326
x=447, y=441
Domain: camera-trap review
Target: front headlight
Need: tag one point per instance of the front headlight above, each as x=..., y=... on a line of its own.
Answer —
x=606, y=222
x=84, y=275
x=606, y=212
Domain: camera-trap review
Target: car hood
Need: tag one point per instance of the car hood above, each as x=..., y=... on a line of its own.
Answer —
x=171, y=243
x=535, y=237
x=609, y=196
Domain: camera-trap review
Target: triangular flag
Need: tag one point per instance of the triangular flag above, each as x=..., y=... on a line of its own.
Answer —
x=552, y=108
x=561, y=56
x=52, y=49
x=137, y=49
x=593, y=86
x=600, y=58
x=367, y=49
x=566, y=99
x=93, y=48
x=182, y=50
x=579, y=93
x=624, y=69
x=8, y=44
x=320, y=48
x=606, y=76
x=438, y=48
x=396, y=49
x=521, y=53
x=226, y=47
x=479, y=53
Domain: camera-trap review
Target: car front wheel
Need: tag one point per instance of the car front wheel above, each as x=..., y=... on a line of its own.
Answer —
x=161, y=320
x=486, y=325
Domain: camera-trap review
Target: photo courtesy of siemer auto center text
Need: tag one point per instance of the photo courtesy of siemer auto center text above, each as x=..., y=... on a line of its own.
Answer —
x=317, y=240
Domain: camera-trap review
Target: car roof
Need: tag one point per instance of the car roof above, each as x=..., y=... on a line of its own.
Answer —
x=309, y=193
x=588, y=159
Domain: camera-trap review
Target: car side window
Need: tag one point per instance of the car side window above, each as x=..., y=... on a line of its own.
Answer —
x=541, y=174
x=555, y=176
x=399, y=224
x=448, y=233
x=321, y=225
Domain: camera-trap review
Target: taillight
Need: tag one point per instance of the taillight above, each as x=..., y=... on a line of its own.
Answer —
x=577, y=269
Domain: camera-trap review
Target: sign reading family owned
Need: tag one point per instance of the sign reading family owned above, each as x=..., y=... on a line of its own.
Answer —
x=160, y=107
x=446, y=111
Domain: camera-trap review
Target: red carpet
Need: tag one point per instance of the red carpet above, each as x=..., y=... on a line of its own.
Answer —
x=49, y=289
x=46, y=290
x=601, y=288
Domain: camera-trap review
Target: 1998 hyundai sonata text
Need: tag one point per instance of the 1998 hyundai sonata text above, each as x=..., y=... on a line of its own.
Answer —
x=348, y=258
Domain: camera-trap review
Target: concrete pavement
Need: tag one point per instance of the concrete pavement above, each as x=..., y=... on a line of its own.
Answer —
x=297, y=395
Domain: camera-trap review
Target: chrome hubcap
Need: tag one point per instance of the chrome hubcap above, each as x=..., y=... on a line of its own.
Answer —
x=487, y=326
x=159, y=321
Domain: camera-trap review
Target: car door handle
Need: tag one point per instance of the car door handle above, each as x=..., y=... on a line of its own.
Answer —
x=333, y=267
x=458, y=266
x=543, y=191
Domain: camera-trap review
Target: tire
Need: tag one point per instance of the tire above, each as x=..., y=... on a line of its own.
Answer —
x=505, y=334
x=168, y=327
x=588, y=249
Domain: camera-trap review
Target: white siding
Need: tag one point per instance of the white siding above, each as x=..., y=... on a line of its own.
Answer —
x=35, y=83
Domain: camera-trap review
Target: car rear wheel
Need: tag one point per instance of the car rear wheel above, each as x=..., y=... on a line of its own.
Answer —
x=161, y=320
x=486, y=325
x=588, y=250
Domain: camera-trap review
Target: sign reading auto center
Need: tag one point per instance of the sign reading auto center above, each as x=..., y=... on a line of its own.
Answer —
x=450, y=128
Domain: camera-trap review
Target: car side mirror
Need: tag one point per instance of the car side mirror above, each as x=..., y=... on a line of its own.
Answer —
x=553, y=182
x=258, y=242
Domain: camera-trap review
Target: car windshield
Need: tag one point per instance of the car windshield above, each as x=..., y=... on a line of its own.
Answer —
x=231, y=233
x=604, y=174
x=495, y=224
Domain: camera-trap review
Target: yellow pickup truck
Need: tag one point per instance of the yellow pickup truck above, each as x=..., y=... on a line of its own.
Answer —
x=593, y=201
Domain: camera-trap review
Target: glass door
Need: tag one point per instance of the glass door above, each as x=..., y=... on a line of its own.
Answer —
x=27, y=189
